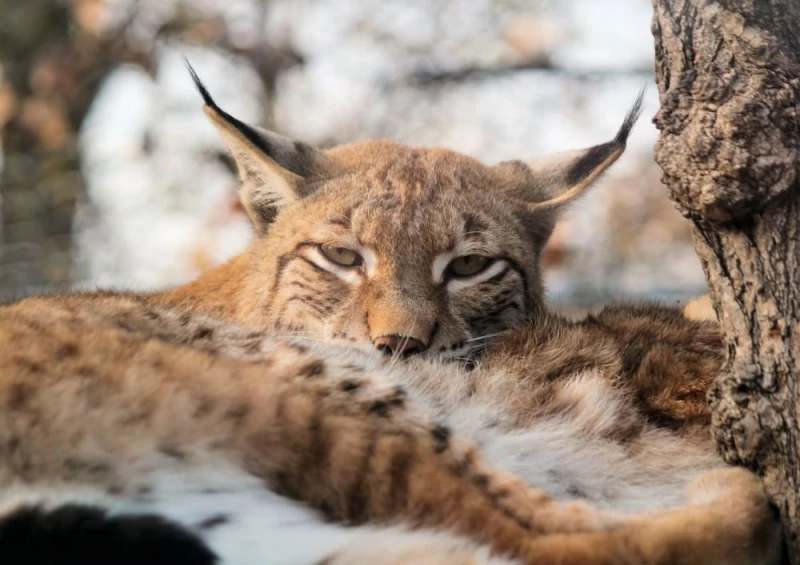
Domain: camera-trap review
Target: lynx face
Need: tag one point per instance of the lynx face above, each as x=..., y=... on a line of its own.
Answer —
x=397, y=249
x=410, y=251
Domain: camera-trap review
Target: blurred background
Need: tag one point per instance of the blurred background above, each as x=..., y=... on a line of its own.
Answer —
x=110, y=174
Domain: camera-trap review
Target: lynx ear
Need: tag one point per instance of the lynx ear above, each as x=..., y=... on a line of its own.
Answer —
x=273, y=169
x=554, y=180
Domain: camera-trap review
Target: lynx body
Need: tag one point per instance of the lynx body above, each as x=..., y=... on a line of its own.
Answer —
x=376, y=380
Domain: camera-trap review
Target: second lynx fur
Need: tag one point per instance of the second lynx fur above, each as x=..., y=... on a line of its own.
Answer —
x=296, y=441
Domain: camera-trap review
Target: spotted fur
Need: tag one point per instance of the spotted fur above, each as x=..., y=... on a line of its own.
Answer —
x=108, y=400
x=252, y=411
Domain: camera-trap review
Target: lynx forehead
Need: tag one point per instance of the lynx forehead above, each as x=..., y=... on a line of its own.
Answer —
x=400, y=249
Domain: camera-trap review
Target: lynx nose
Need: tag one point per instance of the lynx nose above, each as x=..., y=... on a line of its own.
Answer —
x=398, y=345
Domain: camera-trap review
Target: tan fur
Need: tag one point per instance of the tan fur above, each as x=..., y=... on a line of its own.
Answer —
x=665, y=361
x=407, y=226
x=700, y=308
x=59, y=390
x=171, y=388
x=104, y=389
x=420, y=216
x=406, y=211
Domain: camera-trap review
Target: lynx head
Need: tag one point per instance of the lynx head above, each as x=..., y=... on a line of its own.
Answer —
x=400, y=249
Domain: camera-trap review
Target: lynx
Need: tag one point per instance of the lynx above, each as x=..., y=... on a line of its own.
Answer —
x=376, y=380
x=378, y=245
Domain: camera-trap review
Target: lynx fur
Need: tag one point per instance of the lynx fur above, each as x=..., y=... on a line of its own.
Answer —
x=375, y=380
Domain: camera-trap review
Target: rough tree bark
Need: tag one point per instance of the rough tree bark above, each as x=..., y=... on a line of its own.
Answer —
x=728, y=73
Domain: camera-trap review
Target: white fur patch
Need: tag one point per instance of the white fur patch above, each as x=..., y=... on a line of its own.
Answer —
x=457, y=284
x=349, y=275
x=464, y=247
x=245, y=524
x=440, y=263
x=336, y=237
x=566, y=455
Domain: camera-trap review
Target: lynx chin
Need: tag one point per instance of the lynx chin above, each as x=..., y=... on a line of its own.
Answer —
x=375, y=380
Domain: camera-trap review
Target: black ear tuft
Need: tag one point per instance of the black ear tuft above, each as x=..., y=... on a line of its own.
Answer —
x=595, y=156
x=630, y=120
x=247, y=131
x=201, y=87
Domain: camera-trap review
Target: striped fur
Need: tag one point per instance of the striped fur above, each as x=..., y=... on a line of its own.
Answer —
x=408, y=214
x=107, y=399
x=251, y=414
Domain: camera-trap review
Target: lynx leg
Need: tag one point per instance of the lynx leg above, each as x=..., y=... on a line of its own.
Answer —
x=102, y=406
x=729, y=522
x=335, y=436
x=353, y=445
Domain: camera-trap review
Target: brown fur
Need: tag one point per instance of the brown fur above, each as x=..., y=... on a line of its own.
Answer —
x=167, y=386
x=100, y=389
x=59, y=389
x=666, y=361
x=404, y=210
x=417, y=216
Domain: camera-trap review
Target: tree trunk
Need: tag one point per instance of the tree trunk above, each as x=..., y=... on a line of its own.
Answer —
x=728, y=74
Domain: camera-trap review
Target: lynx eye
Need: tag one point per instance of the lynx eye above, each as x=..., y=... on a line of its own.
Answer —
x=468, y=265
x=342, y=256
